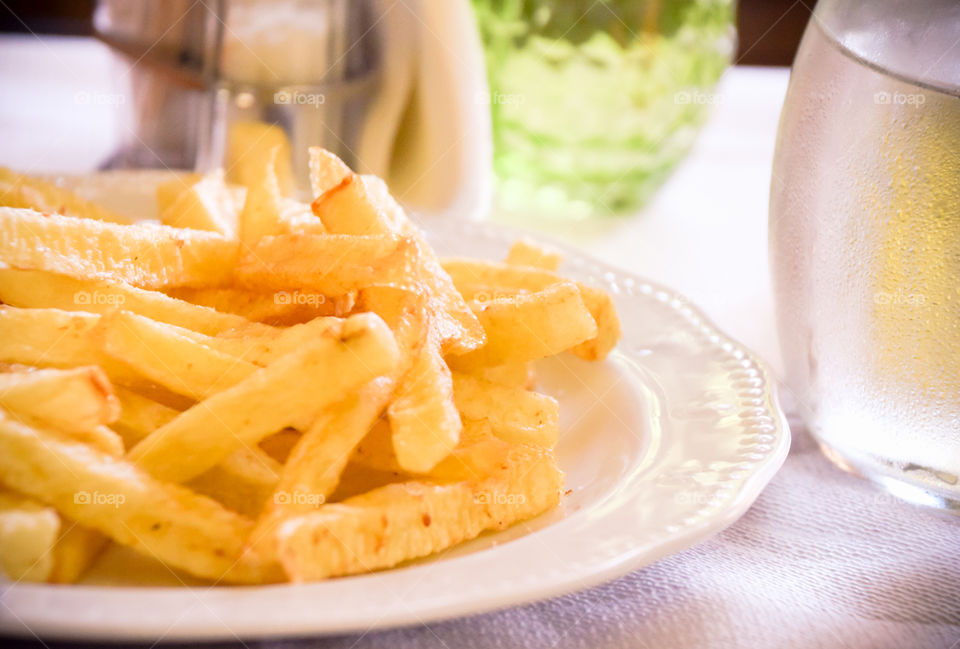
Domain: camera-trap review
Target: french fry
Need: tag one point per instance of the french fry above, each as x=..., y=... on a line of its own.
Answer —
x=280, y=445
x=317, y=460
x=170, y=356
x=38, y=289
x=169, y=191
x=375, y=449
x=139, y=416
x=278, y=308
x=298, y=218
x=330, y=264
x=604, y=312
x=265, y=349
x=250, y=144
x=28, y=533
x=425, y=422
x=209, y=363
x=261, y=214
x=327, y=171
x=479, y=453
x=206, y=204
x=423, y=418
x=525, y=252
x=55, y=338
x=32, y=336
x=296, y=386
x=356, y=205
x=471, y=276
x=513, y=375
x=515, y=415
x=180, y=528
x=530, y=326
x=403, y=521
x=76, y=401
x=75, y=551
x=499, y=282
x=243, y=482
x=84, y=248
x=21, y=190
x=362, y=205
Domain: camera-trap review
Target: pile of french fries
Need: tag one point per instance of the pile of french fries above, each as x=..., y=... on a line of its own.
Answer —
x=261, y=390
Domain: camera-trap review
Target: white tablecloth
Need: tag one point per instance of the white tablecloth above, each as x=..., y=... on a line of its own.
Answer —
x=822, y=560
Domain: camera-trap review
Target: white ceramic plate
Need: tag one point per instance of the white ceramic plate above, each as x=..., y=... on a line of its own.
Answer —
x=665, y=444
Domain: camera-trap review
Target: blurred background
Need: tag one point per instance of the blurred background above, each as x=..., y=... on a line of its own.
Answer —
x=572, y=109
x=769, y=30
x=65, y=94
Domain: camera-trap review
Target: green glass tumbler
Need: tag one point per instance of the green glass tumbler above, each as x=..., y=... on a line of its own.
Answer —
x=594, y=101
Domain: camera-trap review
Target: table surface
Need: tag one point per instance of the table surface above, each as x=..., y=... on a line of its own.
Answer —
x=796, y=570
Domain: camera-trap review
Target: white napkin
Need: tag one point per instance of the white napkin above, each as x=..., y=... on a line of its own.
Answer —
x=428, y=132
x=822, y=560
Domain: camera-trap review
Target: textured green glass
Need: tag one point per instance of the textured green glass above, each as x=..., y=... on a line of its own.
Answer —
x=594, y=101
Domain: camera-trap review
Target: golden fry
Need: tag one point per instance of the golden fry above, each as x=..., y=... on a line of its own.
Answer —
x=243, y=482
x=170, y=356
x=87, y=249
x=423, y=418
x=515, y=415
x=250, y=147
x=38, y=289
x=268, y=400
x=362, y=205
x=330, y=264
x=530, y=326
x=525, y=252
x=317, y=460
x=487, y=282
x=206, y=204
x=77, y=401
x=28, y=533
x=327, y=171
x=278, y=308
x=75, y=551
x=403, y=521
x=261, y=214
x=21, y=190
x=55, y=338
x=425, y=422
x=169, y=522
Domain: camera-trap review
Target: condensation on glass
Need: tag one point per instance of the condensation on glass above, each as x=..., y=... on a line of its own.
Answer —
x=865, y=241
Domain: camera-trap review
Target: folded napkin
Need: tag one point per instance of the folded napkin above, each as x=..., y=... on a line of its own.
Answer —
x=428, y=132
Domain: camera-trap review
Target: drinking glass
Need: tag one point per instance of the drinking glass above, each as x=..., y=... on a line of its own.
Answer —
x=865, y=241
x=594, y=101
x=290, y=71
